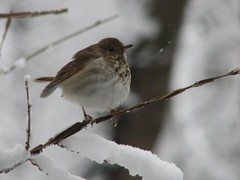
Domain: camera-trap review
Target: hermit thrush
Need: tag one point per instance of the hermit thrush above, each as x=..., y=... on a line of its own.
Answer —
x=98, y=78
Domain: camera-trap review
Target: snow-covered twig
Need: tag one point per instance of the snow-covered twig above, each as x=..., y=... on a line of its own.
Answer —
x=7, y=25
x=12, y=158
x=46, y=165
x=6, y=170
x=28, y=129
x=80, y=125
x=19, y=15
x=61, y=40
x=137, y=161
x=20, y=63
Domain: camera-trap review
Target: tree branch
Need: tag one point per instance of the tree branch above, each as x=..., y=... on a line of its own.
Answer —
x=80, y=125
x=7, y=25
x=28, y=129
x=59, y=41
x=69, y=36
x=20, y=15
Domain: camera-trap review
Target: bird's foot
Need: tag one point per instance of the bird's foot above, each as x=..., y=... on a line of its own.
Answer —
x=88, y=117
x=115, y=117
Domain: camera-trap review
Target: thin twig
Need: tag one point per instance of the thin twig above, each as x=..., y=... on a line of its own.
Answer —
x=36, y=165
x=6, y=170
x=69, y=36
x=67, y=148
x=28, y=129
x=80, y=125
x=61, y=40
x=7, y=25
x=19, y=15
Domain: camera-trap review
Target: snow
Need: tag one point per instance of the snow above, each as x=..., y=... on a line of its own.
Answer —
x=20, y=63
x=10, y=157
x=45, y=164
x=203, y=124
x=27, y=77
x=137, y=161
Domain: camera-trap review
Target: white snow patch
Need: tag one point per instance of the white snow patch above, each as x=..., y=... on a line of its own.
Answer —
x=9, y=157
x=27, y=77
x=54, y=171
x=137, y=161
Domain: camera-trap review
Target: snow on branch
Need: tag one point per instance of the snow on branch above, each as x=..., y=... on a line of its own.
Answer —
x=137, y=161
x=20, y=63
x=12, y=158
x=46, y=165
x=20, y=15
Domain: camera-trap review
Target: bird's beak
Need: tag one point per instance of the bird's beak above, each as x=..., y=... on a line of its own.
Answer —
x=127, y=46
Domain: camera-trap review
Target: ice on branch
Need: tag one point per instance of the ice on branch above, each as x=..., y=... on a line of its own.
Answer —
x=137, y=161
x=10, y=157
x=45, y=164
x=20, y=63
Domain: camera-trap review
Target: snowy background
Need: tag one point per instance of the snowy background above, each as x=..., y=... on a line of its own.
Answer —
x=202, y=136
x=201, y=128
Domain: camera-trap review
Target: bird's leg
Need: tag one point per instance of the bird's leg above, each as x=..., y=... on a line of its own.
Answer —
x=87, y=117
x=115, y=117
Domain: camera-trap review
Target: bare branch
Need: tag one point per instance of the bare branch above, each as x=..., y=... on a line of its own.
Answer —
x=7, y=25
x=61, y=40
x=80, y=125
x=19, y=15
x=168, y=96
x=69, y=36
x=28, y=129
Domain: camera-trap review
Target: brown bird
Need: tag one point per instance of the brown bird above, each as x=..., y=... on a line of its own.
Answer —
x=98, y=78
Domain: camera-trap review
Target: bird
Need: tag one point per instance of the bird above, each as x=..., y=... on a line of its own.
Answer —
x=98, y=78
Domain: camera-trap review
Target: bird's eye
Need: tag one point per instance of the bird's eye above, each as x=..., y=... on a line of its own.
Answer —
x=111, y=49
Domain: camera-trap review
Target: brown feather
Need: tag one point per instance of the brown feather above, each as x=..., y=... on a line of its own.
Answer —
x=43, y=79
x=80, y=59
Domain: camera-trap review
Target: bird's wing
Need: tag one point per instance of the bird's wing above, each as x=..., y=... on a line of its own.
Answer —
x=73, y=67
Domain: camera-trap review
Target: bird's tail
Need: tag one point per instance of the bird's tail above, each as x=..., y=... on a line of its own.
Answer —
x=43, y=79
x=49, y=88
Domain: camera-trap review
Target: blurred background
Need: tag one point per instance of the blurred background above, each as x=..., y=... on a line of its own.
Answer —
x=176, y=42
